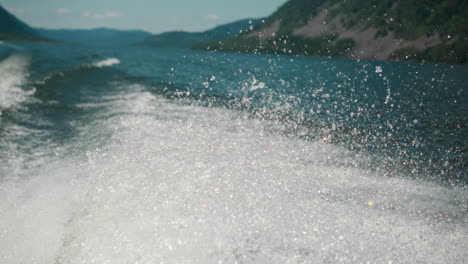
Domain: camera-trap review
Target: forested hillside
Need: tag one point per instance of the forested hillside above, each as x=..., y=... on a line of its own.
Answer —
x=416, y=30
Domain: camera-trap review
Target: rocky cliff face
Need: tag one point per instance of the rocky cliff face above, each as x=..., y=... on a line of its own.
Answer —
x=425, y=30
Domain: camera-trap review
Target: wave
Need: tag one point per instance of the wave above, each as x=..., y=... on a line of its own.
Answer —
x=107, y=62
x=13, y=74
x=4, y=51
x=82, y=73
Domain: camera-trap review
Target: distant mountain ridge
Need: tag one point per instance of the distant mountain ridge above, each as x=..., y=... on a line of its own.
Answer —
x=97, y=36
x=11, y=28
x=183, y=39
x=416, y=30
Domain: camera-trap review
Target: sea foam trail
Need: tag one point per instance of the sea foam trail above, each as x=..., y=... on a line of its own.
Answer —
x=13, y=74
x=186, y=184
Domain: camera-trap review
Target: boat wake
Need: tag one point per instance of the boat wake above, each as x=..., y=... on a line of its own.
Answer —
x=13, y=74
x=189, y=184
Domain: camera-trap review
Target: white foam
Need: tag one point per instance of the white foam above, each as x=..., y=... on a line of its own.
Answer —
x=34, y=213
x=186, y=184
x=256, y=84
x=107, y=62
x=13, y=74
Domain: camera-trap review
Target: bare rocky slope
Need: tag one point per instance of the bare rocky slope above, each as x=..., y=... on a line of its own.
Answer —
x=415, y=30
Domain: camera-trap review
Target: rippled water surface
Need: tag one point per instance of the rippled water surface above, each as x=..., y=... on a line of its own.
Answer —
x=138, y=155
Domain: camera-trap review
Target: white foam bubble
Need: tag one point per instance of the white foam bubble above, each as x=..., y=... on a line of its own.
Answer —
x=107, y=62
x=35, y=210
x=186, y=184
x=13, y=74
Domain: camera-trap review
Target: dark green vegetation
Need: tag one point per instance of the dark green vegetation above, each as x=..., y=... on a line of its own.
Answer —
x=11, y=28
x=407, y=21
x=453, y=53
x=327, y=45
x=182, y=39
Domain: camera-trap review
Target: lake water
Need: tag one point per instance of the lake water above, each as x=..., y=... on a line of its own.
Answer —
x=140, y=155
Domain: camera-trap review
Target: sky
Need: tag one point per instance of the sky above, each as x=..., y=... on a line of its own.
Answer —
x=151, y=15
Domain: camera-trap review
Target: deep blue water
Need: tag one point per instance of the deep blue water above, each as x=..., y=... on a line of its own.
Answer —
x=113, y=150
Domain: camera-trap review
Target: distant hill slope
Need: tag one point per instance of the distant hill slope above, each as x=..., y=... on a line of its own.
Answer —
x=11, y=28
x=417, y=30
x=96, y=37
x=182, y=39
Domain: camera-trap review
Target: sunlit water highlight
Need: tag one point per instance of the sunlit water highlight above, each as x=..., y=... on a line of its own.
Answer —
x=112, y=172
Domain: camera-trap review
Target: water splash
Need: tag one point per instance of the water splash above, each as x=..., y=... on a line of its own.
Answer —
x=183, y=183
x=13, y=74
x=107, y=62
